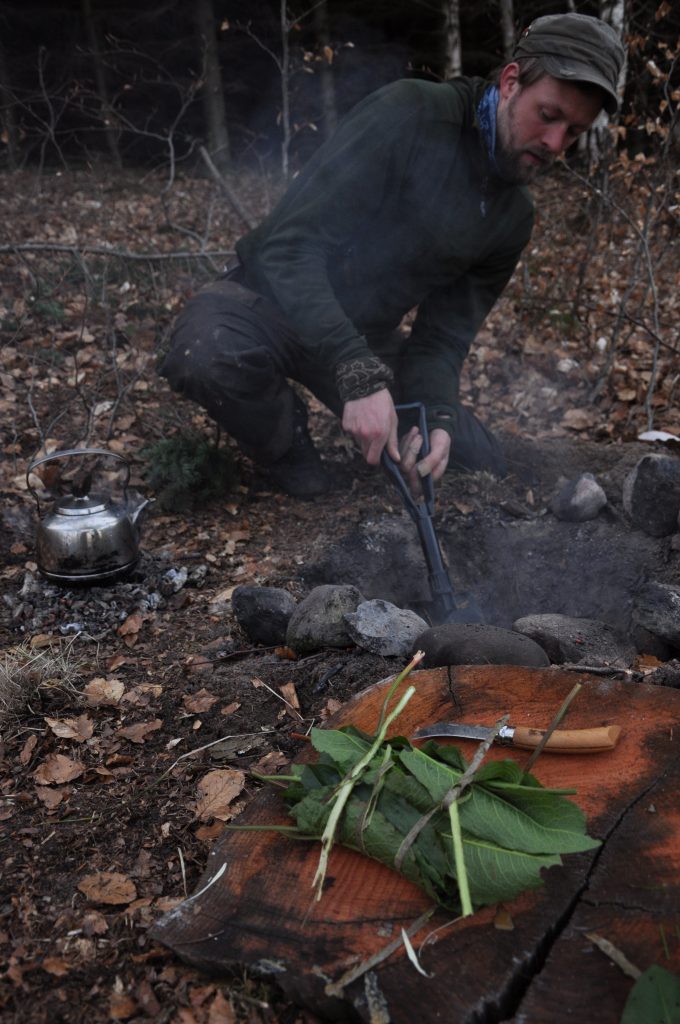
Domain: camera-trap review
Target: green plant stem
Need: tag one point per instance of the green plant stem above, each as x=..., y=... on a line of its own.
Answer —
x=345, y=788
x=459, y=859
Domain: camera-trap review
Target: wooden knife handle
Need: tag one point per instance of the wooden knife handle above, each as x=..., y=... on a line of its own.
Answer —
x=569, y=741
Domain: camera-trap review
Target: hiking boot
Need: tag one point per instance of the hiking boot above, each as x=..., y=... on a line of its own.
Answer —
x=300, y=471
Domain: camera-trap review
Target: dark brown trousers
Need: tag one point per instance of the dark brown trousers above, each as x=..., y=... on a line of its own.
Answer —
x=234, y=353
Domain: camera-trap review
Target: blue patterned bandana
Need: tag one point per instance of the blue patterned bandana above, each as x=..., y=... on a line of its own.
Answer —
x=486, y=114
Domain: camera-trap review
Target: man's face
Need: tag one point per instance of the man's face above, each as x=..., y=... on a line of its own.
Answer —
x=536, y=123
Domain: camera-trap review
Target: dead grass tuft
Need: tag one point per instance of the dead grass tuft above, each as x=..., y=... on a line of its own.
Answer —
x=27, y=669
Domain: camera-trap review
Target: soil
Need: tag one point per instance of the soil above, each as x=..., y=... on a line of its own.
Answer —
x=103, y=823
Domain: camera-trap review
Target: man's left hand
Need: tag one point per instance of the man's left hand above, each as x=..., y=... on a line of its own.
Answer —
x=435, y=462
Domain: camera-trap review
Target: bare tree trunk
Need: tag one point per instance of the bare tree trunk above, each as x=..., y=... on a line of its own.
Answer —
x=9, y=128
x=507, y=27
x=93, y=38
x=213, y=92
x=329, y=110
x=597, y=138
x=285, y=89
x=453, y=59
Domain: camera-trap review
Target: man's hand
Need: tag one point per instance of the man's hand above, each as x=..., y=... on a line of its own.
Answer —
x=372, y=422
x=435, y=462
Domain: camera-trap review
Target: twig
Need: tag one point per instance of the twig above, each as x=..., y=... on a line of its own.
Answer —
x=615, y=955
x=344, y=790
x=241, y=210
x=553, y=725
x=453, y=793
x=102, y=250
x=336, y=988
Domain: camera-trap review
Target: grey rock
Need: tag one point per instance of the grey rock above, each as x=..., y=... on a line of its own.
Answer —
x=382, y=628
x=657, y=608
x=319, y=620
x=577, y=641
x=646, y=643
x=579, y=499
x=666, y=675
x=478, y=644
x=173, y=580
x=263, y=613
x=651, y=494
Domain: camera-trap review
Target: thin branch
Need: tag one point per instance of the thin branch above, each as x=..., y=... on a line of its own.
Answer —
x=241, y=210
x=101, y=250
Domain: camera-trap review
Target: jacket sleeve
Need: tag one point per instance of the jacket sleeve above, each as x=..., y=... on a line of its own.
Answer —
x=446, y=325
x=325, y=210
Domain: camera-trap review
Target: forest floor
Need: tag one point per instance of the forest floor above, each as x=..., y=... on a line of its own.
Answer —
x=114, y=786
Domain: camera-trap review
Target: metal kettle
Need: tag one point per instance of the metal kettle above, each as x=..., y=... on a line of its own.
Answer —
x=85, y=538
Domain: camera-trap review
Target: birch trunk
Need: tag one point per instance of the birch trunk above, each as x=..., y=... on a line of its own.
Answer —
x=453, y=60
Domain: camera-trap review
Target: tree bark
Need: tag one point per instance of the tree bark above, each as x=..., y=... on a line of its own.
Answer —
x=453, y=60
x=597, y=139
x=93, y=38
x=9, y=128
x=212, y=93
x=329, y=110
x=507, y=27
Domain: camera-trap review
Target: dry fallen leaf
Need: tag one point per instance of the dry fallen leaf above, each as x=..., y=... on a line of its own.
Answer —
x=230, y=708
x=142, y=694
x=270, y=762
x=216, y=791
x=27, y=750
x=196, y=703
x=51, y=798
x=104, y=691
x=78, y=729
x=209, y=833
x=580, y=419
x=115, y=662
x=221, y=1011
x=502, y=921
x=289, y=694
x=330, y=707
x=56, y=769
x=122, y=1006
x=285, y=652
x=198, y=663
x=131, y=625
x=94, y=923
x=110, y=887
x=138, y=732
x=55, y=966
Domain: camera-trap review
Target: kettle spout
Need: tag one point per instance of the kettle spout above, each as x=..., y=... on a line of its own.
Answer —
x=136, y=512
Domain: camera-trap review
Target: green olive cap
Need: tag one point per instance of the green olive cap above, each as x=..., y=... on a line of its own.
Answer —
x=576, y=48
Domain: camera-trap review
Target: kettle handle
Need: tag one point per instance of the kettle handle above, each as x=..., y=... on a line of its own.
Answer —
x=75, y=451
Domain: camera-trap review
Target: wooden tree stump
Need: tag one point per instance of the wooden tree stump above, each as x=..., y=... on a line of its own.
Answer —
x=532, y=962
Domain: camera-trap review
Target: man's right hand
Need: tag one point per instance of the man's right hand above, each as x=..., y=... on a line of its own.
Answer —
x=372, y=422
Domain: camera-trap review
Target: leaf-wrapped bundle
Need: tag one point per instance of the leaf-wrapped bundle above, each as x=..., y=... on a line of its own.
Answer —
x=512, y=827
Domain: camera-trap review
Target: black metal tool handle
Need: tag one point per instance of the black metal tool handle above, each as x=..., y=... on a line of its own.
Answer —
x=443, y=596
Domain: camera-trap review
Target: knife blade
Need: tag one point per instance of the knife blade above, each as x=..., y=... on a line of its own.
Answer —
x=561, y=741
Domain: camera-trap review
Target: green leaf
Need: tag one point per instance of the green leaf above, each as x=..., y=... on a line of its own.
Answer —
x=344, y=747
x=496, y=873
x=527, y=819
x=653, y=999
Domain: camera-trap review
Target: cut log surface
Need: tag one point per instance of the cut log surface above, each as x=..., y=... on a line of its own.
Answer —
x=254, y=905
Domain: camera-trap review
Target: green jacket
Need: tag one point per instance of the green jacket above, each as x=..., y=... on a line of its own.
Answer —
x=398, y=209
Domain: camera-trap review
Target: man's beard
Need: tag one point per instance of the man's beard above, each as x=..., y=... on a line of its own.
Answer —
x=508, y=157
